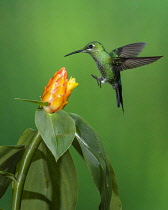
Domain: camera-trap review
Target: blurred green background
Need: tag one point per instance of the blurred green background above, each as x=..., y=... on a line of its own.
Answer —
x=35, y=36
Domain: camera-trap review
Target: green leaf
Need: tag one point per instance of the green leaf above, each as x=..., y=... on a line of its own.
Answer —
x=23, y=168
x=9, y=175
x=115, y=203
x=57, y=131
x=26, y=136
x=89, y=146
x=8, y=151
x=40, y=103
x=9, y=157
x=50, y=184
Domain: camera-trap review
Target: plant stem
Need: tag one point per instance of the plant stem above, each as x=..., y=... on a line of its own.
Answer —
x=23, y=170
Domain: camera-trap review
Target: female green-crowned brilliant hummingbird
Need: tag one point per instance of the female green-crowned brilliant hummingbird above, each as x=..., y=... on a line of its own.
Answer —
x=111, y=64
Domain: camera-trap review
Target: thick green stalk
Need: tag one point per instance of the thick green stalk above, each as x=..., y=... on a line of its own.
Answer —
x=23, y=170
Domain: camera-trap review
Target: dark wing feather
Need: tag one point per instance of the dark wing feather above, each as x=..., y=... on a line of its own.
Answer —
x=130, y=50
x=131, y=63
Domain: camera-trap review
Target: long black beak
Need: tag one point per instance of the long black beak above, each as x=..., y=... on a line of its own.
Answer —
x=78, y=51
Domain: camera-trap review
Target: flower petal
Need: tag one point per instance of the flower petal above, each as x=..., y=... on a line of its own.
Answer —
x=57, y=91
x=56, y=103
x=60, y=90
x=71, y=84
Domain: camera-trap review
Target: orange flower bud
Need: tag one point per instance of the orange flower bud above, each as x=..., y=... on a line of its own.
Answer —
x=57, y=91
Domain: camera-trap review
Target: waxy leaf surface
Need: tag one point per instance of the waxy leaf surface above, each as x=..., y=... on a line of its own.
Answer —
x=9, y=175
x=115, y=203
x=89, y=146
x=9, y=157
x=57, y=130
x=50, y=184
x=40, y=103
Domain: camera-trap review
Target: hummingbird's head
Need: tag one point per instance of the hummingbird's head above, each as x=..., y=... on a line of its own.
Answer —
x=91, y=48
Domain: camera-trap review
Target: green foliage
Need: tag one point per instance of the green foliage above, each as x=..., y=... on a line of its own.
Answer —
x=32, y=140
x=115, y=203
x=50, y=184
x=89, y=146
x=26, y=137
x=9, y=175
x=57, y=131
x=40, y=103
x=45, y=176
x=48, y=181
x=35, y=36
x=9, y=157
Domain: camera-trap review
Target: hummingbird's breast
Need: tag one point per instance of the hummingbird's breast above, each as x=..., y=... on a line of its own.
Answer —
x=103, y=62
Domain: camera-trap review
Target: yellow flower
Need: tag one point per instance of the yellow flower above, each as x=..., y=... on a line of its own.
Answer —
x=57, y=91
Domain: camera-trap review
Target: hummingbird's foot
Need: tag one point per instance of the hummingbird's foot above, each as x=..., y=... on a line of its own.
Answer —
x=97, y=79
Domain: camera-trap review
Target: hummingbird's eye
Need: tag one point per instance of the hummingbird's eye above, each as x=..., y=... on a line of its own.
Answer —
x=90, y=46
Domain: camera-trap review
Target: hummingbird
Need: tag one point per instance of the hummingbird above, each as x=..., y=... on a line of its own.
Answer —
x=111, y=64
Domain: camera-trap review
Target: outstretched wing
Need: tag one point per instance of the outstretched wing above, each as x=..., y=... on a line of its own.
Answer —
x=131, y=63
x=130, y=50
